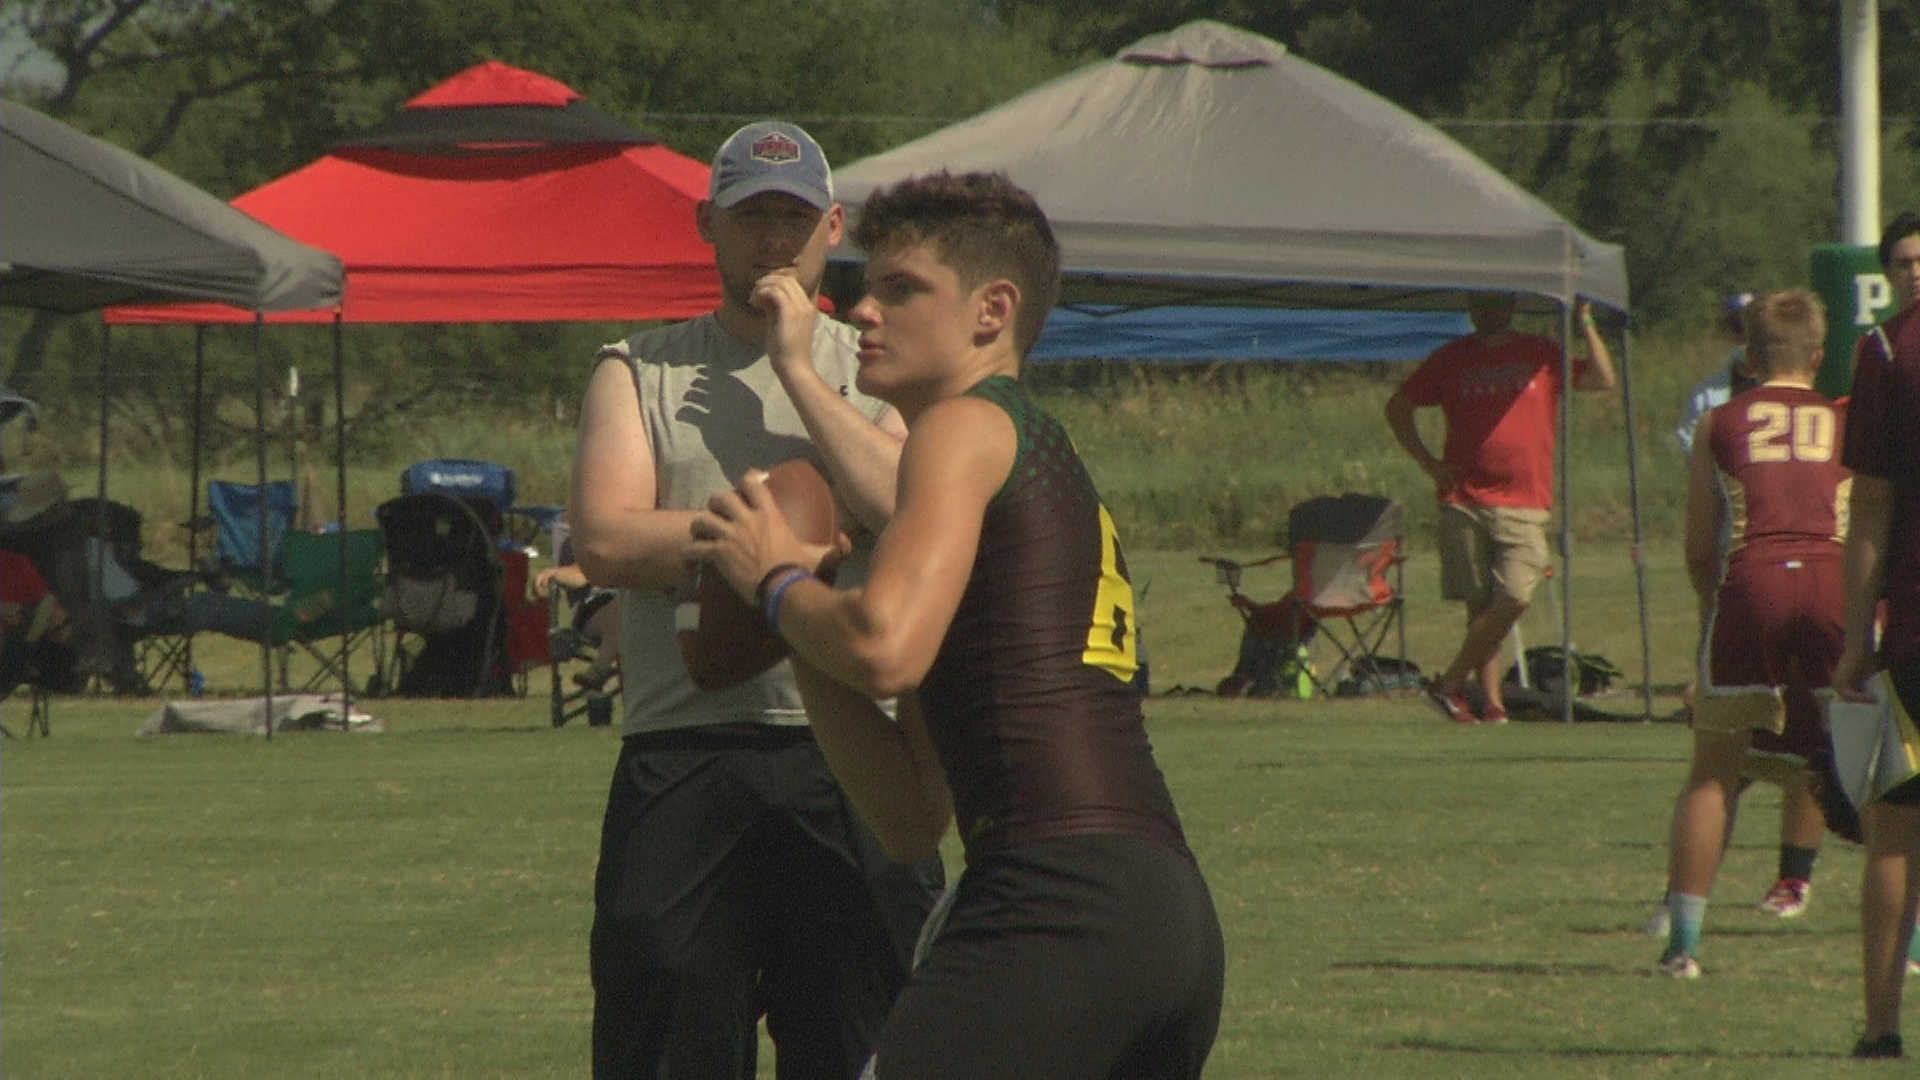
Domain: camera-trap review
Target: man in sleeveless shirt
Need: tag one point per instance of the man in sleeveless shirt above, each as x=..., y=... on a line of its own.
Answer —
x=1499, y=390
x=1766, y=517
x=734, y=880
x=1883, y=562
x=1081, y=940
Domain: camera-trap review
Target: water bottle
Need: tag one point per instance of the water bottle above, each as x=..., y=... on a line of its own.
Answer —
x=196, y=682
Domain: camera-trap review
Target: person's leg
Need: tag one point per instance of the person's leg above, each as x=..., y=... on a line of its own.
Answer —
x=1474, y=554
x=1801, y=826
x=1700, y=815
x=1479, y=653
x=1888, y=889
x=836, y=920
x=672, y=955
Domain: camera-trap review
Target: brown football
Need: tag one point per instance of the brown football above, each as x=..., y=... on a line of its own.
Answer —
x=723, y=639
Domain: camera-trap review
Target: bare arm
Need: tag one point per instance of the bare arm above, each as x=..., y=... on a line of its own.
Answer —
x=890, y=770
x=863, y=457
x=1869, y=525
x=1406, y=432
x=620, y=536
x=1597, y=374
x=881, y=638
x=1705, y=519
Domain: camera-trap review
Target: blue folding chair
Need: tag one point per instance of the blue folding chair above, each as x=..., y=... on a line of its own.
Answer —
x=236, y=510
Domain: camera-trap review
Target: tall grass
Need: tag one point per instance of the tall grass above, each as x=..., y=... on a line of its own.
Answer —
x=1184, y=456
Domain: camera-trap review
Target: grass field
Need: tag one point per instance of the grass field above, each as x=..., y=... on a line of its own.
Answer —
x=1402, y=897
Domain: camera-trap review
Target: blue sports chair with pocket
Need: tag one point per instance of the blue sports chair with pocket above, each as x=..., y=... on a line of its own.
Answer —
x=236, y=510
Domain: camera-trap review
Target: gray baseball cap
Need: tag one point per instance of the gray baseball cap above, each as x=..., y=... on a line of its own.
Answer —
x=771, y=155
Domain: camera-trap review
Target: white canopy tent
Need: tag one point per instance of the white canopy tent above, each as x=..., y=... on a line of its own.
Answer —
x=1207, y=165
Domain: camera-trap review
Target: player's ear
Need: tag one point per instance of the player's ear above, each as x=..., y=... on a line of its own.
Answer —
x=999, y=304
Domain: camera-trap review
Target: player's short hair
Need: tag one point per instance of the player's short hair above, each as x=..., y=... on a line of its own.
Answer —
x=1785, y=330
x=1907, y=224
x=978, y=224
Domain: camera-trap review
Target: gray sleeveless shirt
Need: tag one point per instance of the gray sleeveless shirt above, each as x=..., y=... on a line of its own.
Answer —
x=714, y=408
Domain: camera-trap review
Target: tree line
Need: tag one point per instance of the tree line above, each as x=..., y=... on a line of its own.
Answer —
x=1702, y=137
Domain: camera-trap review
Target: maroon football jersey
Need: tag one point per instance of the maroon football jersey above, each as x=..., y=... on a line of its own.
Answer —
x=1884, y=441
x=1778, y=453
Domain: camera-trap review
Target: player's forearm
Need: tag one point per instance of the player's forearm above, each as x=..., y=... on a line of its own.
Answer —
x=1407, y=433
x=1869, y=525
x=863, y=458
x=835, y=631
x=886, y=768
x=1598, y=373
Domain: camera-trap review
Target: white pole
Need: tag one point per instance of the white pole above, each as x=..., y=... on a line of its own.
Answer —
x=1860, y=122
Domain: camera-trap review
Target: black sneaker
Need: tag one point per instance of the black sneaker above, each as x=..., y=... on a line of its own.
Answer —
x=1886, y=1046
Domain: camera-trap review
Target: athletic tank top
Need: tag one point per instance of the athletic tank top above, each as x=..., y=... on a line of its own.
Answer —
x=1777, y=452
x=1029, y=700
x=714, y=408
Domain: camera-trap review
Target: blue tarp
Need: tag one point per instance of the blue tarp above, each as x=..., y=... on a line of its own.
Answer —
x=1208, y=334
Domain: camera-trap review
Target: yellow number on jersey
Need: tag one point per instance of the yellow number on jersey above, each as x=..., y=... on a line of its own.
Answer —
x=1812, y=428
x=1112, y=630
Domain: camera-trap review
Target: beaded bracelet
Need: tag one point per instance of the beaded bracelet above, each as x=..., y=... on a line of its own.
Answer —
x=780, y=589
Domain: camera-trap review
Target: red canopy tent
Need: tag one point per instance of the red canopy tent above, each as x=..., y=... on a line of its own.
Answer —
x=495, y=196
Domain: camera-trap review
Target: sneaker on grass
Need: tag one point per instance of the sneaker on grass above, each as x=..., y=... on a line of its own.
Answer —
x=1787, y=898
x=1886, y=1046
x=1678, y=966
x=1451, y=703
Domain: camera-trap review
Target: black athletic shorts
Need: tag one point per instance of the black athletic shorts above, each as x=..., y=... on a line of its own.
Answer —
x=1088, y=956
x=735, y=880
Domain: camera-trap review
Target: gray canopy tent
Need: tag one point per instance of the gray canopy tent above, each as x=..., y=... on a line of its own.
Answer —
x=85, y=224
x=1206, y=165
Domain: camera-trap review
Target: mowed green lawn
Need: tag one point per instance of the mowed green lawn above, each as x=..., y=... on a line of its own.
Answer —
x=1402, y=897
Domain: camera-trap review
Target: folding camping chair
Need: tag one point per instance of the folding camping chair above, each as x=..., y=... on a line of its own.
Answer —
x=577, y=622
x=1347, y=591
x=444, y=597
x=236, y=510
x=321, y=621
x=1347, y=561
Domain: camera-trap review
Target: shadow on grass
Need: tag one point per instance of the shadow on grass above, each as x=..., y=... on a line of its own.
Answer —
x=1460, y=968
x=1446, y=1046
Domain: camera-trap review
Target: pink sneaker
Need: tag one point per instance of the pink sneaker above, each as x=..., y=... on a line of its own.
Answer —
x=1787, y=898
x=1494, y=715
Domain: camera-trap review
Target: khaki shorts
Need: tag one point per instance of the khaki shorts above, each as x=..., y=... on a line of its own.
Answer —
x=1488, y=551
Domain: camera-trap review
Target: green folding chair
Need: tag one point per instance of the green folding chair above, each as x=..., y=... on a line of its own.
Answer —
x=321, y=621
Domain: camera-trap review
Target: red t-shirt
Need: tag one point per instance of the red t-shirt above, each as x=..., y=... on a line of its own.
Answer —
x=20, y=583
x=1777, y=449
x=1502, y=404
x=1883, y=440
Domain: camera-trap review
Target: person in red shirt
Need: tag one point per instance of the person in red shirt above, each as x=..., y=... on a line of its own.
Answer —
x=1883, y=562
x=1499, y=391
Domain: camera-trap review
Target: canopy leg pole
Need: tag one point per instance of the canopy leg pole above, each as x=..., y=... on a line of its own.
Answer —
x=96, y=589
x=260, y=523
x=1633, y=500
x=1563, y=534
x=193, y=475
x=340, y=513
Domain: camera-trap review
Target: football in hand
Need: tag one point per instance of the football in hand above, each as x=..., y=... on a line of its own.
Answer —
x=724, y=640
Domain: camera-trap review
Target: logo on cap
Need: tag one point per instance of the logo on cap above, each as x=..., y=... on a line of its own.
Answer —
x=775, y=148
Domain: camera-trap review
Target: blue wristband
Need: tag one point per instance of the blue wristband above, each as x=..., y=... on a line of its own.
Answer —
x=778, y=590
